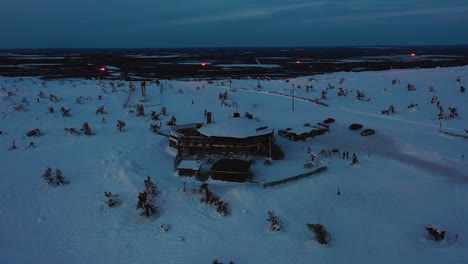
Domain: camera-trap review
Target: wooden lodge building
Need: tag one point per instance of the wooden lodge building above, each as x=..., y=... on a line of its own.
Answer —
x=189, y=168
x=239, y=135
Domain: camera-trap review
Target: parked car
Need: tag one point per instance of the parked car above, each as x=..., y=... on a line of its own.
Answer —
x=367, y=132
x=355, y=126
x=328, y=120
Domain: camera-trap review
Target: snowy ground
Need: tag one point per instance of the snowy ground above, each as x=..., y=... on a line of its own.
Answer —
x=409, y=174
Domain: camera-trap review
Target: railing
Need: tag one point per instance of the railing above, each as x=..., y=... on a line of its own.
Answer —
x=453, y=134
x=294, y=178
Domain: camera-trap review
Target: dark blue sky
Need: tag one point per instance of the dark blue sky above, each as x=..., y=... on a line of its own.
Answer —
x=208, y=23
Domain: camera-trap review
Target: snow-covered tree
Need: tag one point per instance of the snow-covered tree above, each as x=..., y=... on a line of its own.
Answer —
x=34, y=133
x=140, y=110
x=101, y=111
x=147, y=198
x=48, y=175
x=112, y=199
x=210, y=198
x=321, y=234
x=120, y=125
x=275, y=223
x=87, y=129
x=65, y=112
x=145, y=204
x=434, y=233
x=56, y=178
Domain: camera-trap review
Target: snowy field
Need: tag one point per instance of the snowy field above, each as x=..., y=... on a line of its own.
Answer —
x=409, y=175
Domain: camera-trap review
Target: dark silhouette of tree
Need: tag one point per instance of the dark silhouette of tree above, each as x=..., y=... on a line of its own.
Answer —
x=274, y=221
x=323, y=237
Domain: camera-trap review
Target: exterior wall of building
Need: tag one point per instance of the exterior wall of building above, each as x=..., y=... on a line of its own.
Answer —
x=188, y=145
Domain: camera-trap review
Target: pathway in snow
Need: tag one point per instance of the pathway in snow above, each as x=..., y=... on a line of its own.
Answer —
x=385, y=146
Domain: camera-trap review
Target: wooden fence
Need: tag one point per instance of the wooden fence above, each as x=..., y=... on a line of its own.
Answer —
x=294, y=178
x=453, y=134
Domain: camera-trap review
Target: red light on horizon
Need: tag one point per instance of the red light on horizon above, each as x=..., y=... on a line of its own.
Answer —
x=102, y=69
x=298, y=62
x=413, y=54
x=203, y=64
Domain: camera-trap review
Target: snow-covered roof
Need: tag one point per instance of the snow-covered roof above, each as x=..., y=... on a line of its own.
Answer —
x=240, y=127
x=301, y=130
x=189, y=165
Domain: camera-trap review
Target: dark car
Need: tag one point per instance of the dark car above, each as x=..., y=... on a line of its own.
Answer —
x=355, y=126
x=367, y=132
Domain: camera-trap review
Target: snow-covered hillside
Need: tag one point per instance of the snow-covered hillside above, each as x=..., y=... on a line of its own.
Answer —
x=409, y=175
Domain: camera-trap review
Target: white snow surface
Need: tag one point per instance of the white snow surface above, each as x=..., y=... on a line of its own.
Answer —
x=409, y=175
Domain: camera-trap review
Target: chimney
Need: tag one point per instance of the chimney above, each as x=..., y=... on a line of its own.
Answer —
x=208, y=118
x=236, y=115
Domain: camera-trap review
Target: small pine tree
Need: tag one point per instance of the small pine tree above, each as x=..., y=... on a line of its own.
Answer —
x=55, y=179
x=112, y=199
x=13, y=145
x=154, y=116
x=120, y=125
x=151, y=187
x=274, y=220
x=154, y=128
x=323, y=237
x=210, y=198
x=146, y=205
x=101, y=111
x=65, y=112
x=87, y=129
x=48, y=175
x=140, y=110
x=146, y=199
x=435, y=234
x=59, y=179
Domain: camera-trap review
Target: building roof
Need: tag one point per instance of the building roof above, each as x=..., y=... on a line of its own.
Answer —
x=231, y=165
x=189, y=165
x=240, y=127
x=301, y=130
